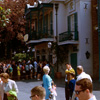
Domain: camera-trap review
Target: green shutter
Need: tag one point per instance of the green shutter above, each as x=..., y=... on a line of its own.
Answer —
x=76, y=26
x=51, y=30
x=43, y=21
x=46, y=24
x=69, y=24
x=73, y=59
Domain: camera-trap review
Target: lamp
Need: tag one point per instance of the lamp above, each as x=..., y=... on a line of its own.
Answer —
x=56, y=7
x=14, y=52
x=29, y=48
x=87, y=55
x=49, y=47
x=85, y=7
x=49, y=44
x=23, y=51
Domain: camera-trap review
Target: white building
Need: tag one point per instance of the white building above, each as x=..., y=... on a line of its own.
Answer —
x=72, y=24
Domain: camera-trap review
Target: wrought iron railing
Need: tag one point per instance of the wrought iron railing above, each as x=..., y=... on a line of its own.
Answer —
x=68, y=35
x=39, y=35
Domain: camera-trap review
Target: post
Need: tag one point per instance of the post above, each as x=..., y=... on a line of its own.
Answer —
x=49, y=47
x=49, y=57
x=99, y=33
x=56, y=8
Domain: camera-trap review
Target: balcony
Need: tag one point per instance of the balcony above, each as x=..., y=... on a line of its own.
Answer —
x=68, y=35
x=53, y=1
x=40, y=35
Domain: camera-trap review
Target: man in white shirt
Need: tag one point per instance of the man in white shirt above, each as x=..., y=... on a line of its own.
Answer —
x=83, y=89
x=82, y=74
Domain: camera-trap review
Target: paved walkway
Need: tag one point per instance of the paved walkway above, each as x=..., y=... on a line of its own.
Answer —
x=26, y=86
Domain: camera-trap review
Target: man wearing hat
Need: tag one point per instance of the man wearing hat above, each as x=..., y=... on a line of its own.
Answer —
x=68, y=70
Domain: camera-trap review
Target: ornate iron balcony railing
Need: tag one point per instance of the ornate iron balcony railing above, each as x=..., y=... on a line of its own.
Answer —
x=39, y=35
x=68, y=35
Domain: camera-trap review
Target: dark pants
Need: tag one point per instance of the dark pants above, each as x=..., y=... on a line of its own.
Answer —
x=66, y=91
x=5, y=96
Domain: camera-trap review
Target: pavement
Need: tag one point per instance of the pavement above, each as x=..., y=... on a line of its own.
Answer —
x=25, y=87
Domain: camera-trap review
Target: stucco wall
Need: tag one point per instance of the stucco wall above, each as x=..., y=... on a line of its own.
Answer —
x=85, y=31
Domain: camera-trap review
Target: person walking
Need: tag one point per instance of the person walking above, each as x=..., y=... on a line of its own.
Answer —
x=9, y=88
x=84, y=89
x=38, y=93
x=14, y=70
x=39, y=71
x=18, y=72
x=71, y=85
x=10, y=71
x=47, y=81
x=68, y=70
x=31, y=70
x=82, y=74
x=35, y=68
x=53, y=92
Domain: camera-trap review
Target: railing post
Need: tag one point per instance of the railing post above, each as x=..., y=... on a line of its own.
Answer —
x=56, y=8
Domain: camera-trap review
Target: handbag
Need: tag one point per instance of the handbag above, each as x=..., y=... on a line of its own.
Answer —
x=51, y=96
x=15, y=98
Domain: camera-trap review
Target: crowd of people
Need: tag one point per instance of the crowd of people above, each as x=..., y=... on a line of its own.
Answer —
x=77, y=87
x=24, y=70
x=11, y=71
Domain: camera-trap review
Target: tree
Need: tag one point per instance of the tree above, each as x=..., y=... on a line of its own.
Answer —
x=12, y=34
x=4, y=16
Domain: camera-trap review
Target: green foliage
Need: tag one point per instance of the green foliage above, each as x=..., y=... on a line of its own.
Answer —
x=22, y=56
x=4, y=16
x=19, y=56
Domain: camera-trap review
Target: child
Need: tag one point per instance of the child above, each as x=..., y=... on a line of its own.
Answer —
x=53, y=91
x=71, y=84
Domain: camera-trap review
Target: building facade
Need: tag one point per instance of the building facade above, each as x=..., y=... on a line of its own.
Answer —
x=67, y=23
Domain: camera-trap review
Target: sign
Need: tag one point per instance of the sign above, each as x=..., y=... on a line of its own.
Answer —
x=25, y=37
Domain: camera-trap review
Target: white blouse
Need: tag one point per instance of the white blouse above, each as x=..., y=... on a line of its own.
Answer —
x=6, y=87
